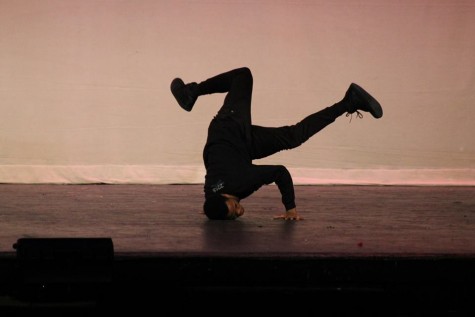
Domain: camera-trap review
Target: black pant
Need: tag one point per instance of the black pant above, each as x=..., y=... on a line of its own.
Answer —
x=263, y=141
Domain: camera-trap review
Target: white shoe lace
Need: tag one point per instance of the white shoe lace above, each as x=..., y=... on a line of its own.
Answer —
x=358, y=115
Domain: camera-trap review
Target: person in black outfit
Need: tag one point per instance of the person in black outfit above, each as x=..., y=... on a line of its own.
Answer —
x=233, y=142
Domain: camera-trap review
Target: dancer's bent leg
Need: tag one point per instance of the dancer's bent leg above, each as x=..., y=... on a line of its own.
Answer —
x=238, y=85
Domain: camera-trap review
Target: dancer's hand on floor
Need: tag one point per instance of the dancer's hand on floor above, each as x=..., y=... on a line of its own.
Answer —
x=290, y=214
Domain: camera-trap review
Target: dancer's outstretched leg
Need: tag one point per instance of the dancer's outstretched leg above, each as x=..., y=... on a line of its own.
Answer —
x=267, y=141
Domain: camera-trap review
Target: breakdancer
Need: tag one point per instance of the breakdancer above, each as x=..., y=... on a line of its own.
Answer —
x=233, y=141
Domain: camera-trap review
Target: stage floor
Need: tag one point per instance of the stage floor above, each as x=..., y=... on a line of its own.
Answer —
x=377, y=250
x=339, y=220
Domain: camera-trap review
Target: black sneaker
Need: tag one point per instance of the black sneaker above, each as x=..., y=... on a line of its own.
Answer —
x=186, y=95
x=360, y=99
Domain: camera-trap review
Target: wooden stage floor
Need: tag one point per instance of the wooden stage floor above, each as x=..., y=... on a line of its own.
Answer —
x=417, y=240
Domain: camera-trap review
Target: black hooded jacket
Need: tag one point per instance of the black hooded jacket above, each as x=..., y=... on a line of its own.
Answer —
x=229, y=168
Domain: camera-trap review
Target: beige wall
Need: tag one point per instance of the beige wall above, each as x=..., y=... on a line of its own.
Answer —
x=84, y=86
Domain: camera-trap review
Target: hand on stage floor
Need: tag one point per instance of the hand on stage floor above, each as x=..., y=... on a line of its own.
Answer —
x=290, y=214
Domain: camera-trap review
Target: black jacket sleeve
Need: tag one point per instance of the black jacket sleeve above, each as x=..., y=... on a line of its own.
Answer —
x=279, y=175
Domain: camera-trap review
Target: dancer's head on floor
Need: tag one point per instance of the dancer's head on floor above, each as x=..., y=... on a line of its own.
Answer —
x=223, y=207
